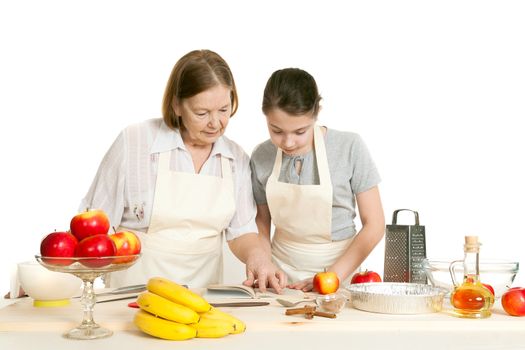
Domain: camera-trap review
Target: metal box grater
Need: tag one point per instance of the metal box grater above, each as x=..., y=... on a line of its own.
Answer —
x=405, y=250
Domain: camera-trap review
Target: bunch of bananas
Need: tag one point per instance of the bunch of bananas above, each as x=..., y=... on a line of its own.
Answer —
x=171, y=311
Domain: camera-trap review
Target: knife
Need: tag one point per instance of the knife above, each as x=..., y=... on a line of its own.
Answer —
x=241, y=304
x=116, y=299
x=228, y=304
x=122, y=290
x=137, y=288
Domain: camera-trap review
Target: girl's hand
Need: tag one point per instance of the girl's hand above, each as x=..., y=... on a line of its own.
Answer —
x=305, y=285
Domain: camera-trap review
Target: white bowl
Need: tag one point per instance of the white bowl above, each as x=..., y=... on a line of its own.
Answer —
x=47, y=288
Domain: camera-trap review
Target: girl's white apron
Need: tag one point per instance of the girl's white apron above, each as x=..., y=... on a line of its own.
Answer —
x=302, y=215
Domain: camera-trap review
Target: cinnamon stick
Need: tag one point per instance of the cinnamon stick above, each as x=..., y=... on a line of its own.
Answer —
x=309, y=312
x=325, y=314
x=301, y=310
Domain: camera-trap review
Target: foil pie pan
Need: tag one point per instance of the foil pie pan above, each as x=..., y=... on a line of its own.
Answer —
x=396, y=298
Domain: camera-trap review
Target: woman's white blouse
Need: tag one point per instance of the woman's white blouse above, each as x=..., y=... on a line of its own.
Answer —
x=124, y=185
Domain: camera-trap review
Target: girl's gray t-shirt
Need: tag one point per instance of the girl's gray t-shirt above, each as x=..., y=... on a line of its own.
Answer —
x=352, y=171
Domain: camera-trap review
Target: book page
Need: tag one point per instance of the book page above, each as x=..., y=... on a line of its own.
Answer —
x=230, y=291
x=242, y=291
x=286, y=293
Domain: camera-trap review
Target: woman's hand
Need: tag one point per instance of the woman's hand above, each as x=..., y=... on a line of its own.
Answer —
x=259, y=267
x=305, y=285
x=262, y=272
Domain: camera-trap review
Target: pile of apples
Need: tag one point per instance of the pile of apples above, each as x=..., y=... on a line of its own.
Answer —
x=327, y=282
x=89, y=236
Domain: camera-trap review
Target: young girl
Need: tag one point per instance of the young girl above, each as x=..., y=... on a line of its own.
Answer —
x=307, y=180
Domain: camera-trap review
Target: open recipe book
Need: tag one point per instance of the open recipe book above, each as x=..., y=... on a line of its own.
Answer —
x=242, y=291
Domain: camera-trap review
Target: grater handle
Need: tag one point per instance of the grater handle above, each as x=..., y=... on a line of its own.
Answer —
x=394, y=216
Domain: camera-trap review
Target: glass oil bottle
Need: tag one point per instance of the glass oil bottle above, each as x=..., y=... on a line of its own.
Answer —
x=470, y=299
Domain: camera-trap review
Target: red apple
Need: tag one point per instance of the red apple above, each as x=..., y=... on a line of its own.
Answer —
x=326, y=282
x=513, y=301
x=89, y=223
x=365, y=277
x=95, y=246
x=489, y=287
x=58, y=244
x=126, y=243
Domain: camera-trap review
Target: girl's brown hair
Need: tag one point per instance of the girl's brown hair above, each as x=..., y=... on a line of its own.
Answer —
x=292, y=90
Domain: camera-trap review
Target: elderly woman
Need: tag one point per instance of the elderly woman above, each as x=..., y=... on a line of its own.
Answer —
x=179, y=183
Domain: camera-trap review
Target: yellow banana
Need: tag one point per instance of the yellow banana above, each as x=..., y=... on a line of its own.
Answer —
x=162, y=307
x=178, y=294
x=213, y=328
x=161, y=328
x=214, y=313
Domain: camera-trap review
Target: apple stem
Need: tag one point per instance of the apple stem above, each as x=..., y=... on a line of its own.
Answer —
x=114, y=231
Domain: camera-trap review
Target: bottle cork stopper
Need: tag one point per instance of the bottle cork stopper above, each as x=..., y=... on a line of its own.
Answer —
x=472, y=244
x=471, y=239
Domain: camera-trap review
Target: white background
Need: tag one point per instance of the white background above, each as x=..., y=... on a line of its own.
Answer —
x=435, y=88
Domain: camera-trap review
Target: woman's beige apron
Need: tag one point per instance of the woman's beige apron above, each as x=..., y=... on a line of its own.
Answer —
x=184, y=238
x=302, y=214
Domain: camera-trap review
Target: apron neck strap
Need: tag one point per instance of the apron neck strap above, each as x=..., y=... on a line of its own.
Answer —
x=277, y=164
x=226, y=169
x=320, y=157
x=164, y=160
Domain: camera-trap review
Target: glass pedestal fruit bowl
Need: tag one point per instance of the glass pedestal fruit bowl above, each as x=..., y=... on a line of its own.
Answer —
x=88, y=269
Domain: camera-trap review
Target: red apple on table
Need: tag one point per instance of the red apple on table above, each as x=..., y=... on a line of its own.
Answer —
x=326, y=282
x=365, y=277
x=126, y=243
x=513, y=301
x=489, y=287
x=58, y=244
x=89, y=223
x=95, y=246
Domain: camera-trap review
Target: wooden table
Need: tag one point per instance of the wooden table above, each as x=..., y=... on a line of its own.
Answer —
x=23, y=326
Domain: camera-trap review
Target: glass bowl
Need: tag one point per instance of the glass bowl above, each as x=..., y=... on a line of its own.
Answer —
x=88, y=269
x=498, y=273
x=331, y=302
